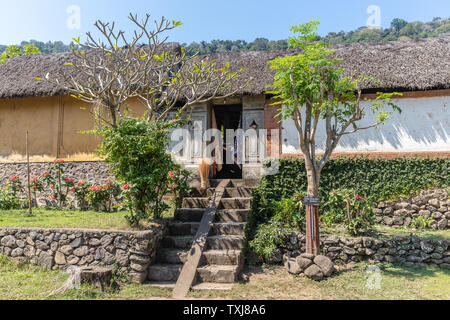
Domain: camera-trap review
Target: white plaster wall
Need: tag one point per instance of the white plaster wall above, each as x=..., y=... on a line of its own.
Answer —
x=423, y=125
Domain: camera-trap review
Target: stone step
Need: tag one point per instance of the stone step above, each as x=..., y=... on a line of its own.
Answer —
x=232, y=215
x=200, y=203
x=212, y=242
x=177, y=242
x=225, y=203
x=222, y=228
x=189, y=215
x=218, y=273
x=203, y=286
x=214, y=273
x=164, y=272
x=177, y=228
x=171, y=256
x=230, y=192
x=228, y=228
x=222, y=257
x=161, y=284
x=222, y=215
x=211, y=257
x=235, y=203
x=225, y=242
x=206, y=286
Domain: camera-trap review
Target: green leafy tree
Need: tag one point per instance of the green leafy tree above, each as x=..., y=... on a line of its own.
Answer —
x=310, y=87
x=30, y=49
x=398, y=24
x=15, y=51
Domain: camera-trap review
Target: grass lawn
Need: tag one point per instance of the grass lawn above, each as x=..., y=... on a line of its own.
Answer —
x=44, y=218
x=267, y=282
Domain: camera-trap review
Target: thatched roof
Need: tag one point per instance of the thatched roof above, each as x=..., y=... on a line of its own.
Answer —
x=422, y=64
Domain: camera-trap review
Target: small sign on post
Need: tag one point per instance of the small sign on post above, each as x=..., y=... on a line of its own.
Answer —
x=311, y=200
x=312, y=224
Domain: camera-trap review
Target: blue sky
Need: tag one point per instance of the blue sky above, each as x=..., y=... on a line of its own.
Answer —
x=205, y=19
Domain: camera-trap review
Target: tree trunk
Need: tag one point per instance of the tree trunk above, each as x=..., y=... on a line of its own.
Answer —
x=313, y=177
x=312, y=212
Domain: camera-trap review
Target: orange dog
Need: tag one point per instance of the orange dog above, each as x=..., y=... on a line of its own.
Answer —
x=204, y=167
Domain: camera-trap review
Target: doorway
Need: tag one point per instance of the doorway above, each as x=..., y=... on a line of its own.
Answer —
x=228, y=117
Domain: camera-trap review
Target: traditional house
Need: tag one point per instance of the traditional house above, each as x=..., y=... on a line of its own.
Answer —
x=417, y=68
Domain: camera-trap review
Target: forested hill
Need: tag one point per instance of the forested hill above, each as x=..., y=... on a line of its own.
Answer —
x=399, y=29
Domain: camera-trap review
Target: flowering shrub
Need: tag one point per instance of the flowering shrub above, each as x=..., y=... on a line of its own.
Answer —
x=346, y=206
x=81, y=190
x=99, y=197
x=36, y=185
x=9, y=195
x=102, y=197
x=136, y=153
x=179, y=186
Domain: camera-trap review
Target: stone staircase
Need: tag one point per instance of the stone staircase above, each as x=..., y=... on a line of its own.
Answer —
x=221, y=261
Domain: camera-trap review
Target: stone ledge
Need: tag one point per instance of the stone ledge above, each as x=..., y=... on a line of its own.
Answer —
x=410, y=250
x=59, y=248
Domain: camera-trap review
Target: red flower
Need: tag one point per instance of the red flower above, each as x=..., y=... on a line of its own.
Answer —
x=73, y=189
x=126, y=186
x=368, y=223
x=51, y=187
x=174, y=187
x=53, y=197
x=359, y=198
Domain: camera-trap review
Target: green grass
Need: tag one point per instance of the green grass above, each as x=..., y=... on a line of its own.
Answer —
x=27, y=282
x=45, y=218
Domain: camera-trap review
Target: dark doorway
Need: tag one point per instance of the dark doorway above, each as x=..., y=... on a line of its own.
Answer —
x=228, y=117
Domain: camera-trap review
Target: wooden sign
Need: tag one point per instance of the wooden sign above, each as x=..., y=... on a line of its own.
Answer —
x=311, y=200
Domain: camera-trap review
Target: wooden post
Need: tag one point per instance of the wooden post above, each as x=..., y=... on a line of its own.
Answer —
x=28, y=175
x=312, y=225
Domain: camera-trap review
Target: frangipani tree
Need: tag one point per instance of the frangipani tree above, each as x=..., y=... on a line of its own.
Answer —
x=311, y=87
x=115, y=68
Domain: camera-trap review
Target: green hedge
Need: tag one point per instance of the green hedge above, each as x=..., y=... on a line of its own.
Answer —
x=378, y=179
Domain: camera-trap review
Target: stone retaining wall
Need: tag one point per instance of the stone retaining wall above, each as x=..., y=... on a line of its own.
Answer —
x=94, y=172
x=411, y=250
x=429, y=203
x=61, y=248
